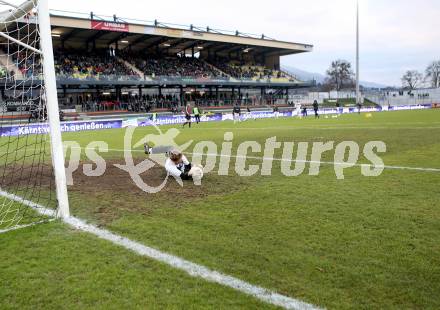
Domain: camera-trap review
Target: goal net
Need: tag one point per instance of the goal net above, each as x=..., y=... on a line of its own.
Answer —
x=30, y=143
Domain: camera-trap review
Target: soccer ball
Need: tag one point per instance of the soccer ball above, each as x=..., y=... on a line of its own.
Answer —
x=197, y=174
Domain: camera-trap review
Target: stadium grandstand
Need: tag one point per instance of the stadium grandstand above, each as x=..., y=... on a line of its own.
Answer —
x=107, y=63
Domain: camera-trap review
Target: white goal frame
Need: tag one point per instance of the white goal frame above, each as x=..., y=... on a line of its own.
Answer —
x=50, y=94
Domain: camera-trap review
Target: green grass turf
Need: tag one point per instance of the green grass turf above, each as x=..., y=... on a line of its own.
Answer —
x=356, y=243
x=53, y=267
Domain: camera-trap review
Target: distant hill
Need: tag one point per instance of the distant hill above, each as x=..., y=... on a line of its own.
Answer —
x=319, y=78
x=304, y=75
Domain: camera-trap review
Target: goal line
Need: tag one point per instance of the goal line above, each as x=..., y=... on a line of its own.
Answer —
x=19, y=227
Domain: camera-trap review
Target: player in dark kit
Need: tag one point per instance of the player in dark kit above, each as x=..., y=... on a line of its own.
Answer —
x=316, y=108
x=304, y=111
x=276, y=112
x=187, y=115
x=236, y=112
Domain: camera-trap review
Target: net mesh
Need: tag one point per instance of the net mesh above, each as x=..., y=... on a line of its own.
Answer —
x=25, y=164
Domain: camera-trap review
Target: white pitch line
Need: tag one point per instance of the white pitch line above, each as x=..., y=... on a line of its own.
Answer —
x=315, y=128
x=299, y=161
x=194, y=270
x=324, y=162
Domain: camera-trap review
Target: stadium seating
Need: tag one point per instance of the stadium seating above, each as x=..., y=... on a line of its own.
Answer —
x=128, y=66
x=26, y=64
x=98, y=66
x=251, y=71
x=174, y=67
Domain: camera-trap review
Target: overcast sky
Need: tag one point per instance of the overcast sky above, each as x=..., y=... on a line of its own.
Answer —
x=397, y=35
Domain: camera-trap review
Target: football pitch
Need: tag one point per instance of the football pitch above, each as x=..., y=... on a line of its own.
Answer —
x=358, y=242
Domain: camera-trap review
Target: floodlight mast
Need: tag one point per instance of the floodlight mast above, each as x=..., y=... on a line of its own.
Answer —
x=358, y=94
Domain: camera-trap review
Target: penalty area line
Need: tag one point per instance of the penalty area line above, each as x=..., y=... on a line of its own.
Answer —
x=388, y=167
x=192, y=269
x=324, y=162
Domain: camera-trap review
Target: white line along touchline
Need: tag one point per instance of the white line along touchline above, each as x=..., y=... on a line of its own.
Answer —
x=190, y=268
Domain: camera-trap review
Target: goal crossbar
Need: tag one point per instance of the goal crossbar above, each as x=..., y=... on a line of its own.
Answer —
x=8, y=37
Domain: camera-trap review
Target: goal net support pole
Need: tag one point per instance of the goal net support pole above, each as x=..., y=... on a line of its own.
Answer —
x=52, y=108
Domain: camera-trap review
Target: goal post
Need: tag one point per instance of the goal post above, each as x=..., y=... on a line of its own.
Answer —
x=31, y=149
x=52, y=108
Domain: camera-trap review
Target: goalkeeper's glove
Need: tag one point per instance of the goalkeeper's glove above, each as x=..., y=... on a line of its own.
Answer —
x=188, y=168
x=185, y=176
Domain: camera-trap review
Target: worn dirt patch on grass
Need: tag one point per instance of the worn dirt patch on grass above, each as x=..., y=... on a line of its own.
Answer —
x=114, y=194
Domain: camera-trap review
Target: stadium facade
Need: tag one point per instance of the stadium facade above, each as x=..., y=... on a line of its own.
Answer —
x=111, y=59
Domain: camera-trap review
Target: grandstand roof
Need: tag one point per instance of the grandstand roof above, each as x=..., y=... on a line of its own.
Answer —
x=76, y=28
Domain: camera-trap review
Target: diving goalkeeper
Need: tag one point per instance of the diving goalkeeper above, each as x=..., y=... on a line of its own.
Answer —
x=177, y=165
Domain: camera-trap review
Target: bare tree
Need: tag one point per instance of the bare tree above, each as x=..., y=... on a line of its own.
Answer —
x=412, y=79
x=340, y=75
x=433, y=74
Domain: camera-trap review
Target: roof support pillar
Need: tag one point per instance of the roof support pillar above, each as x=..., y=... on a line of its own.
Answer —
x=182, y=96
